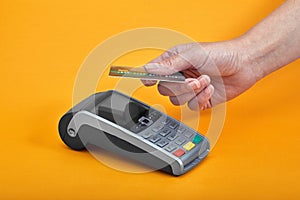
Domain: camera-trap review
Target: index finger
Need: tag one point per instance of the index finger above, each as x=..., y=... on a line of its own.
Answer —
x=176, y=89
x=169, y=66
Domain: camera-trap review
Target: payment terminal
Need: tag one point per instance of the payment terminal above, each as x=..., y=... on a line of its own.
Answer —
x=127, y=127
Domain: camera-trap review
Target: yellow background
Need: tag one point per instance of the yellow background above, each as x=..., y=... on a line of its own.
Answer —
x=42, y=45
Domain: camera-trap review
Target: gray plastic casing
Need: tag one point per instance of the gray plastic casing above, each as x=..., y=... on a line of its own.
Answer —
x=92, y=129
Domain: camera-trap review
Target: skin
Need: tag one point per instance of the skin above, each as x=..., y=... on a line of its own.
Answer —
x=220, y=71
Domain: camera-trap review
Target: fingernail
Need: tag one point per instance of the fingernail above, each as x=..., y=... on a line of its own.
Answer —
x=204, y=80
x=147, y=82
x=195, y=84
x=207, y=90
x=150, y=67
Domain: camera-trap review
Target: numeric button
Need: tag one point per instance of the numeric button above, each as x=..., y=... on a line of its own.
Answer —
x=171, y=147
x=154, y=138
x=158, y=128
x=172, y=136
x=173, y=125
x=146, y=134
x=165, y=132
x=162, y=143
x=166, y=121
x=181, y=129
x=180, y=140
x=188, y=134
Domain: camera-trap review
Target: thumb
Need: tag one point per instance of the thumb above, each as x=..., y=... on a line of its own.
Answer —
x=168, y=66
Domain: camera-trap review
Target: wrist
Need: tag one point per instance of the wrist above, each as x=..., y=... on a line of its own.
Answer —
x=248, y=57
x=260, y=54
x=274, y=42
x=256, y=55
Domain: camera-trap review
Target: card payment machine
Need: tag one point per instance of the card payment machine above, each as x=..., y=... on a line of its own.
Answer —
x=123, y=125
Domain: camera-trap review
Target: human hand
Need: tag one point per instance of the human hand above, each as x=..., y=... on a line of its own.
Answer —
x=215, y=73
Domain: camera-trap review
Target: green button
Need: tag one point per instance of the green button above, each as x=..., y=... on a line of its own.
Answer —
x=197, y=139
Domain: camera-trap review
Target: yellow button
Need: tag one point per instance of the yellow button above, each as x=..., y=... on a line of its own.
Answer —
x=188, y=146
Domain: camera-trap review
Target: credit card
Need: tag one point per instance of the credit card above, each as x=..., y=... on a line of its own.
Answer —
x=140, y=72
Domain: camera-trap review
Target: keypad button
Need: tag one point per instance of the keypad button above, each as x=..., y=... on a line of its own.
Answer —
x=162, y=143
x=165, y=132
x=146, y=134
x=154, y=115
x=154, y=138
x=188, y=146
x=173, y=125
x=197, y=139
x=188, y=134
x=137, y=129
x=166, y=121
x=179, y=152
x=171, y=147
x=158, y=128
x=181, y=129
x=180, y=140
x=172, y=136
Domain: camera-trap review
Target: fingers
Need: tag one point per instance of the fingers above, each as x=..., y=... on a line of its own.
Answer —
x=147, y=82
x=167, y=54
x=197, y=95
x=201, y=101
x=203, y=95
x=163, y=65
x=171, y=52
x=198, y=100
x=196, y=92
x=184, y=98
x=188, y=88
x=169, y=66
x=171, y=61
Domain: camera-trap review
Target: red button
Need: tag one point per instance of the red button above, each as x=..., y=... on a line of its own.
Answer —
x=179, y=152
